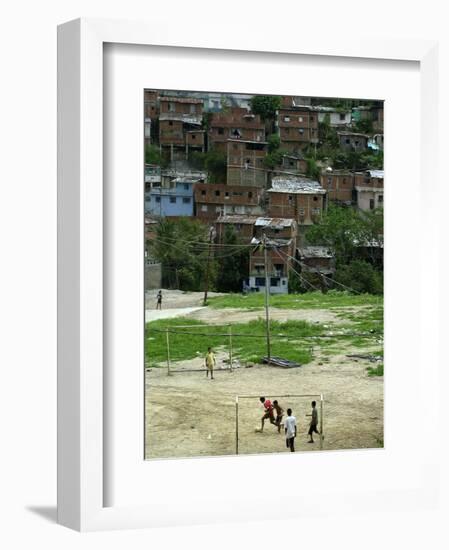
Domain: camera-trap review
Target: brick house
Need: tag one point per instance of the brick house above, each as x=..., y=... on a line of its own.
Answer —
x=234, y=123
x=353, y=141
x=316, y=259
x=151, y=115
x=299, y=198
x=243, y=225
x=339, y=186
x=178, y=116
x=370, y=189
x=281, y=236
x=245, y=162
x=215, y=199
x=297, y=127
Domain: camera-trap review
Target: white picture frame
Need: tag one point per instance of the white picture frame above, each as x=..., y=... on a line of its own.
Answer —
x=82, y=487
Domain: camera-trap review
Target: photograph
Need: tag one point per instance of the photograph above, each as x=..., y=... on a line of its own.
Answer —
x=263, y=259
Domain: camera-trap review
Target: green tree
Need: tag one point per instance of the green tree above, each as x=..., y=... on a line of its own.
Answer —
x=216, y=166
x=360, y=276
x=344, y=229
x=265, y=106
x=274, y=142
x=153, y=155
x=182, y=247
x=232, y=263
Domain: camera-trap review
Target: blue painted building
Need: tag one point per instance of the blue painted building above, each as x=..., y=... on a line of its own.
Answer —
x=175, y=199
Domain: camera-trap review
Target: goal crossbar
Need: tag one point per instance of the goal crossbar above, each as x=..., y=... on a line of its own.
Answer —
x=297, y=395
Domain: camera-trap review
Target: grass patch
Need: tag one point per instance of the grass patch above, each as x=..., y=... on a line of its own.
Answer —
x=376, y=371
x=309, y=300
x=248, y=339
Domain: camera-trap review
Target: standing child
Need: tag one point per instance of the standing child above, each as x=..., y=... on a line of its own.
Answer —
x=290, y=430
x=268, y=412
x=210, y=362
x=159, y=300
x=279, y=414
x=313, y=422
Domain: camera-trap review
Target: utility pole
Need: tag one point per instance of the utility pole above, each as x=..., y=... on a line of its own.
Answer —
x=267, y=296
x=206, y=282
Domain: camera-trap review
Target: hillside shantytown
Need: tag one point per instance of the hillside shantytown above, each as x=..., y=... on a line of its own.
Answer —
x=304, y=175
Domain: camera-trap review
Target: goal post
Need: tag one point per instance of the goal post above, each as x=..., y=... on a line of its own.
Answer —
x=318, y=396
x=227, y=336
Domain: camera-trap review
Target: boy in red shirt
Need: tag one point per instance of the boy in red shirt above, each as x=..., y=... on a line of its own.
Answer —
x=268, y=412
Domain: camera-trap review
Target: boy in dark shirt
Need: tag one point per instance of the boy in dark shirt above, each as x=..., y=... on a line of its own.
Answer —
x=313, y=422
x=279, y=414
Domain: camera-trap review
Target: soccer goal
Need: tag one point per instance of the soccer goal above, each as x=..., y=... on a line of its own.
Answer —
x=174, y=334
x=318, y=397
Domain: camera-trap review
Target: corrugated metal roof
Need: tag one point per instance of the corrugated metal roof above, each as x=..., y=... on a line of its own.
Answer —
x=296, y=185
x=181, y=117
x=376, y=173
x=237, y=218
x=315, y=252
x=273, y=242
x=181, y=99
x=274, y=222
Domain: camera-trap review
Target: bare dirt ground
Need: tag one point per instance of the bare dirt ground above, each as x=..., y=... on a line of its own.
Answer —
x=188, y=415
x=175, y=301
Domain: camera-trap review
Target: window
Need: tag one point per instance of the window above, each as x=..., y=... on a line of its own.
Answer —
x=220, y=131
x=170, y=123
x=315, y=198
x=171, y=107
x=300, y=119
x=311, y=119
x=227, y=194
x=342, y=116
x=316, y=211
x=357, y=142
x=250, y=194
x=381, y=198
x=301, y=130
x=193, y=136
x=147, y=129
x=290, y=199
x=192, y=109
x=218, y=209
x=217, y=193
x=186, y=200
x=302, y=211
x=260, y=281
x=259, y=268
x=286, y=119
x=204, y=208
x=274, y=281
x=186, y=186
x=203, y=192
x=371, y=204
x=287, y=130
x=344, y=181
x=173, y=200
x=158, y=199
x=347, y=141
x=279, y=268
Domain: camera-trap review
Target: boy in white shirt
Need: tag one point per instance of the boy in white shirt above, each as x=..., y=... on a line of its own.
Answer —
x=290, y=430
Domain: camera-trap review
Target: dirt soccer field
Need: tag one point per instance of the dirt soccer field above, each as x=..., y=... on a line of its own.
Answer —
x=188, y=415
